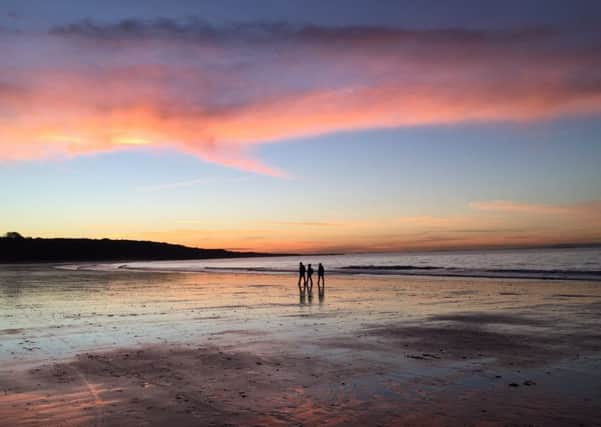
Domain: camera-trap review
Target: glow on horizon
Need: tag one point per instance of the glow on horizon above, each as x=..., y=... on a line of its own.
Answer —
x=486, y=224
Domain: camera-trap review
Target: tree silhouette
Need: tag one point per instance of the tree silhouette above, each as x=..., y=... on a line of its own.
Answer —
x=13, y=235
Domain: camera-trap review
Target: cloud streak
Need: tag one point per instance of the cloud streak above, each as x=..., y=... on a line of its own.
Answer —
x=217, y=93
x=591, y=209
x=188, y=183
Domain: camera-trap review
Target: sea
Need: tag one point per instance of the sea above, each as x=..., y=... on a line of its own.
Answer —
x=551, y=263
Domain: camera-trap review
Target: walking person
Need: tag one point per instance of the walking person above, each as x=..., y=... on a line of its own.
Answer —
x=321, y=272
x=301, y=277
x=310, y=279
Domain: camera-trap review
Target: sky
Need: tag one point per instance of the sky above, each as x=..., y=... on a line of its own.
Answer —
x=302, y=126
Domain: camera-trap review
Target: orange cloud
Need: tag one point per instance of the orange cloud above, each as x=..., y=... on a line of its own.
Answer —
x=430, y=221
x=589, y=209
x=216, y=93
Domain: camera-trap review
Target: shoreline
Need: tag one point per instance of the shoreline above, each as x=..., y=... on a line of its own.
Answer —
x=376, y=271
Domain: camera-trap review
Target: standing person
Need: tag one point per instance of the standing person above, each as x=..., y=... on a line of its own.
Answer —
x=321, y=272
x=301, y=276
x=310, y=278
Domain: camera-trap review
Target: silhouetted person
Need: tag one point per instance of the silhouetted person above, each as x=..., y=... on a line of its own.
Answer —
x=321, y=278
x=310, y=279
x=301, y=277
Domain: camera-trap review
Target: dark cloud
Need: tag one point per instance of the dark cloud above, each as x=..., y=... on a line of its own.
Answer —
x=193, y=29
x=477, y=48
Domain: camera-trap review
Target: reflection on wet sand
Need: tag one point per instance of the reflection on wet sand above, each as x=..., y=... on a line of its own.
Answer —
x=74, y=405
x=97, y=348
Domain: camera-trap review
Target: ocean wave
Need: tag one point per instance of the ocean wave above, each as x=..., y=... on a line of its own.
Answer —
x=392, y=270
x=415, y=270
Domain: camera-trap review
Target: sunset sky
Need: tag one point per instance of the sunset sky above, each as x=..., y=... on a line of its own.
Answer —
x=302, y=125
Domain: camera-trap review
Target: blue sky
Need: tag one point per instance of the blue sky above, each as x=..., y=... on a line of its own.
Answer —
x=425, y=13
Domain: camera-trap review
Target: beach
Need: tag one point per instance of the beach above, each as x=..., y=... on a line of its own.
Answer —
x=81, y=347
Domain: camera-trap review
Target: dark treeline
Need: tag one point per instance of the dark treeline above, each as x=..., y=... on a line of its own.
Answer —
x=14, y=248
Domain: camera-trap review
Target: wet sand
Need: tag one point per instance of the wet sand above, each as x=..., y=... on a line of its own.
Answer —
x=129, y=348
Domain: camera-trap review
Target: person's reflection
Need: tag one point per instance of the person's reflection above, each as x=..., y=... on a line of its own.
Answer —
x=322, y=297
x=306, y=300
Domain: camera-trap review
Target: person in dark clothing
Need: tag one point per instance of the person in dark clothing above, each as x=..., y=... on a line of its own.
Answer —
x=301, y=277
x=321, y=279
x=310, y=278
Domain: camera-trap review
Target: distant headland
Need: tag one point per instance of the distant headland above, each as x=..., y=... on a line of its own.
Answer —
x=18, y=249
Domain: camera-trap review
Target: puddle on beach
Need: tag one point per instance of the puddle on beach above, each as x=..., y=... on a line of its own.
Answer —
x=373, y=342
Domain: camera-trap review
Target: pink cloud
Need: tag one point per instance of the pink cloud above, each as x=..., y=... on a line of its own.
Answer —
x=215, y=93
